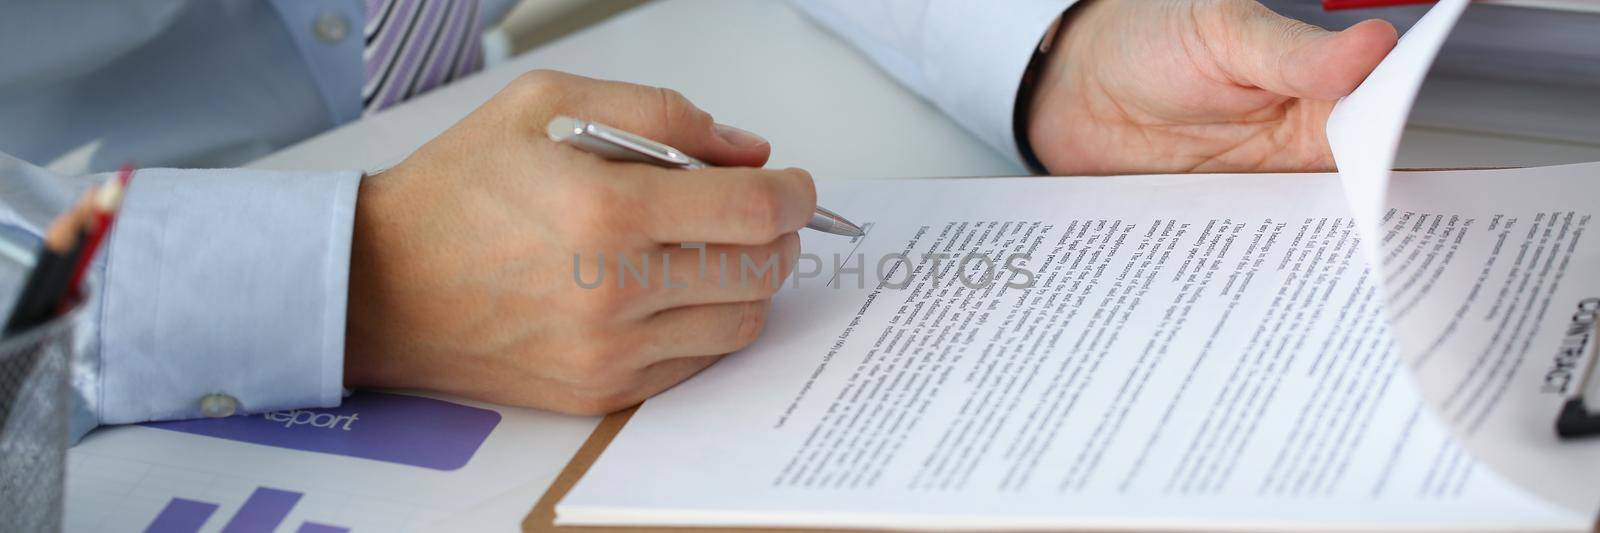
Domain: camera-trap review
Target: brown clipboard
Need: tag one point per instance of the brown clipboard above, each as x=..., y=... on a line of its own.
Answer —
x=543, y=515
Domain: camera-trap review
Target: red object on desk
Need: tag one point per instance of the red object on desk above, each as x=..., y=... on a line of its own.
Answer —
x=105, y=215
x=1331, y=5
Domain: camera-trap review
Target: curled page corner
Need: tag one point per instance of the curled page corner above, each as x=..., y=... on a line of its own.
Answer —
x=1462, y=374
x=1365, y=127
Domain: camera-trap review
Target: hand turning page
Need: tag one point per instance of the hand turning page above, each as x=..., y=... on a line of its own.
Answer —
x=1202, y=351
x=1492, y=329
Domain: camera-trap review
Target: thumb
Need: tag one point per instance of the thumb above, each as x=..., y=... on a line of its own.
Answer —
x=665, y=116
x=672, y=119
x=1295, y=59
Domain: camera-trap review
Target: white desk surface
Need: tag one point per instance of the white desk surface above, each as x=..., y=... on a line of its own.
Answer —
x=760, y=66
x=763, y=67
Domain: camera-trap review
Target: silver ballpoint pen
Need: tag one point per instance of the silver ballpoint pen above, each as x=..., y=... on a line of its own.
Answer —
x=617, y=145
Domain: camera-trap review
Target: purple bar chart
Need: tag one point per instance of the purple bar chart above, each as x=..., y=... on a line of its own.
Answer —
x=379, y=461
x=262, y=512
x=182, y=515
x=390, y=428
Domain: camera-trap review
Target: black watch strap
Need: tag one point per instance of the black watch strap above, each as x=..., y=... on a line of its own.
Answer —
x=1019, y=116
x=1025, y=91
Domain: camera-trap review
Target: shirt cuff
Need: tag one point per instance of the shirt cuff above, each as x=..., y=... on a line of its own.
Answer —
x=224, y=282
x=975, y=55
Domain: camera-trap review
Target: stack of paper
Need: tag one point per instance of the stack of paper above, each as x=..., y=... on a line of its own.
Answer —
x=1217, y=352
x=1580, y=6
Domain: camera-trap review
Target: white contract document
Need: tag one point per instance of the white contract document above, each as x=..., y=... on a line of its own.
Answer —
x=1202, y=351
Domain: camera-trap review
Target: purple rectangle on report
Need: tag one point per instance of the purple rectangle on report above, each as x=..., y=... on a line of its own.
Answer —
x=181, y=516
x=313, y=527
x=395, y=428
x=262, y=511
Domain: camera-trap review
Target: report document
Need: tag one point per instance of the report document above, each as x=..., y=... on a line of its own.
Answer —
x=1362, y=349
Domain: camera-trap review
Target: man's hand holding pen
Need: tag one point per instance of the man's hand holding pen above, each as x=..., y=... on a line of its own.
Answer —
x=462, y=267
x=464, y=257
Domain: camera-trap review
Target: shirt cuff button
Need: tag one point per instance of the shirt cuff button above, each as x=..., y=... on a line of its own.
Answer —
x=218, y=405
x=330, y=27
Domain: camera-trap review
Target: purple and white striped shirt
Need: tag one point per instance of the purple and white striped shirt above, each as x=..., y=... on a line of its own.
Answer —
x=413, y=46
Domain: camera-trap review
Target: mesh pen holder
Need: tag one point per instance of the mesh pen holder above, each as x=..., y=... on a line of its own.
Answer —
x=34, y=400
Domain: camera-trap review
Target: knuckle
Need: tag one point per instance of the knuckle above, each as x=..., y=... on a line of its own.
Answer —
x=538, y=81
x=807, y=185
x=798, y=173
x=752, y=319
x=613, y=401
x=597, y=213
x=606, y=397
x=1294, y=31
x=528, y=99
x=586, y=366
x=603, y=302
x=595, y=366
x=788, y=249
x=598, y=404
x=677, y=110
x=781, y=251
x=761, y=207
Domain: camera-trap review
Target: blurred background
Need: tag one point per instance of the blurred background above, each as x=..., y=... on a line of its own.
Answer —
x=534, y=22
x=1534, y=62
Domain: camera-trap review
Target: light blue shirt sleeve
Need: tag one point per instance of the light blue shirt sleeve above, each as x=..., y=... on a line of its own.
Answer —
x=966, y=57
x=228, y=282
x=224, y=82
x=91, y=84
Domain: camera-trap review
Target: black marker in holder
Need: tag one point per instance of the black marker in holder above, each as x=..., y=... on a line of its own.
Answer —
x=1577, y=420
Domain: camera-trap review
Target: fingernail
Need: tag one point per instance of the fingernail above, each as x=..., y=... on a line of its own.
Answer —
x=738, y=137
